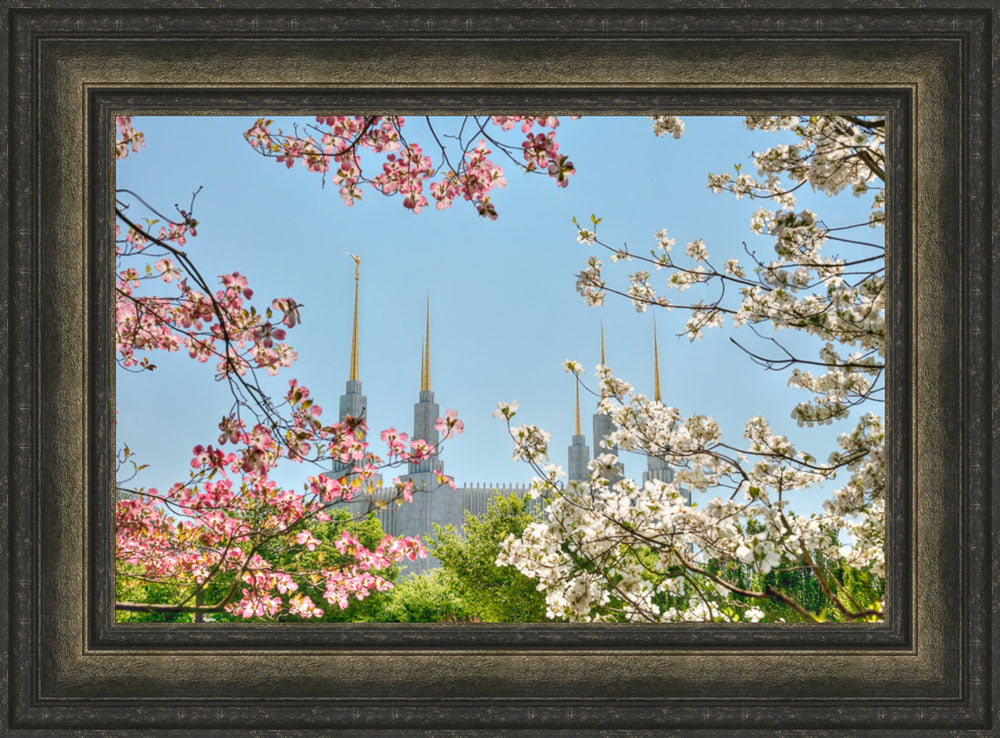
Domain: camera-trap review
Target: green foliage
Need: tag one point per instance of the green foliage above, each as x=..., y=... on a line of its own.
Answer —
x=492, y=593
x=130, y=589
x=425, y=598
x=802, y=585
x=857, y=586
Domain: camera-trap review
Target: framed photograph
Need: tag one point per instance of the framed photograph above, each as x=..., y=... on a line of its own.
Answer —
x=664, y=578
x=287, y=516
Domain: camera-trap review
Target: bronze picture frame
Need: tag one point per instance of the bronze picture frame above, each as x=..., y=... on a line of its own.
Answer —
x=929, y=66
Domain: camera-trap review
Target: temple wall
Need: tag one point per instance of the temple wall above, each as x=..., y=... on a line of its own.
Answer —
x=444, y=506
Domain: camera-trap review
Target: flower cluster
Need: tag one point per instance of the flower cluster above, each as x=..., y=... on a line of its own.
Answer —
x=667, y=124
x=583, y=552
x=220, y=325
x=213, y=525
x=127, y=137
x=229, y=524
x=333, y=145
x=611, y=549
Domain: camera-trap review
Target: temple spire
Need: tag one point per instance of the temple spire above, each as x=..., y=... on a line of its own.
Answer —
x=354, y=333
x=577, y=406
x=353, y=404
x=425, y=357
x=656, y=365
x=578, y=453
x=603, y=425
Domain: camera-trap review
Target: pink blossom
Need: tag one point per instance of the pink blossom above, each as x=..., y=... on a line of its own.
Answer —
x=450, y=424
x=167, y=269
x=306, y=538
x=406, y=169
x=420, y=450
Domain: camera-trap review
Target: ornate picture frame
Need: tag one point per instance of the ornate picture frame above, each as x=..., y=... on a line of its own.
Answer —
x=72, y=66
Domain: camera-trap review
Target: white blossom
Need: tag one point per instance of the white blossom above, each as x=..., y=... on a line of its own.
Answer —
x=663, y=124
x=608, y=548
x=505, y=410
x=696, y=250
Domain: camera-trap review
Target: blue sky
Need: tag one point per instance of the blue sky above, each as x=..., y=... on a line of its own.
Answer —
x=504, y=310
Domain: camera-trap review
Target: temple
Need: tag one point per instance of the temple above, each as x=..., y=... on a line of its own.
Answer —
x=434, y=503
x=656, y=467
x=603, y=427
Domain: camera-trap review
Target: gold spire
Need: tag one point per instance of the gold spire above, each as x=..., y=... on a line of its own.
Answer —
x=354, y=334
x=656, y=364
x=425, y=355
x=577, y=405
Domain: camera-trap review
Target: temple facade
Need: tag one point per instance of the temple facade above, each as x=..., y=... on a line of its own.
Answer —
x=433, y=503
